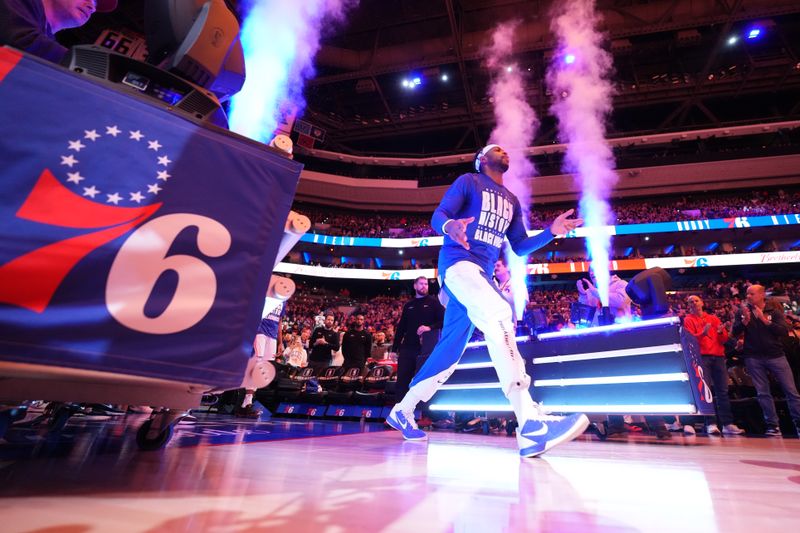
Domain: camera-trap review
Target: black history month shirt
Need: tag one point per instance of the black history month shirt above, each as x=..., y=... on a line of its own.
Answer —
x=498, y=216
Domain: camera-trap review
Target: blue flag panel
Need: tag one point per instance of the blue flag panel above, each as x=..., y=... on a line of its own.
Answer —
x=131, y=240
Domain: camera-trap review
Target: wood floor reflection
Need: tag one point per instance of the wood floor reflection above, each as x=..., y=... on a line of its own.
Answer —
x=352, y=480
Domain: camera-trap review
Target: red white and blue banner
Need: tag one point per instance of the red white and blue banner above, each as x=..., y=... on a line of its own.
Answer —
x=132, y=240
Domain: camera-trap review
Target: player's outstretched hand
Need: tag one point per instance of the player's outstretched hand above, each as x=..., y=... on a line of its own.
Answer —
x=457, y=230
x=563, y=225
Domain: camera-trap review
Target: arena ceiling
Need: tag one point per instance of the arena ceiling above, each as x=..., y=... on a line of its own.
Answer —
x=673, y=69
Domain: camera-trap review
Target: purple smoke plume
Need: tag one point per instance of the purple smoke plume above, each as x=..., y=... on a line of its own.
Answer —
x=280, y=39
x=515, y=126
x=578, y=77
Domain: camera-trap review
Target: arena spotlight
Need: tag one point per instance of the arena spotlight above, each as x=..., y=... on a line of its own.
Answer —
x=510, y=68
x=733, y=39
x=754, y=32
x=405, y=83
x=569, y=59
x=417, y=81
x=445, y=77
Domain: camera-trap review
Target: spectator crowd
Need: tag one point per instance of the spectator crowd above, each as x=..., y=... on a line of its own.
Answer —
x=341, y=222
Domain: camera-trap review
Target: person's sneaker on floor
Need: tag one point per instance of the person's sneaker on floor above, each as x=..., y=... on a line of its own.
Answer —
x=732, y=429
x=543, y=432
x=713, y=429
x=675, y=426
x=405, y=424
x=247, y=412
x=689, y=430
x=773, y=432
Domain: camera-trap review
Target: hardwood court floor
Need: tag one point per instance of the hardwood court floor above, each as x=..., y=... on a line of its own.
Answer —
x=374, y=481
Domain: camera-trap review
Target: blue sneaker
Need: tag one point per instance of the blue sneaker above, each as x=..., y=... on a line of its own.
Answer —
x=405, y=424
x=539, y=434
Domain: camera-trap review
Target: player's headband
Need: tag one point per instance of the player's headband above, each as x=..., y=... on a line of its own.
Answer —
x=482, y=153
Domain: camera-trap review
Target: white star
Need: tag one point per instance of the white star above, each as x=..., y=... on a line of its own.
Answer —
x=92, y=135
x=136, y=197
x=136, y=135
x=75, y=177
x=76, y=145
x=113, y=131
x=154, y=188
x=153, y=145
x=163, y=175
x=68, y=160
x=164, y=160
x=90, y=191
x=113, y=198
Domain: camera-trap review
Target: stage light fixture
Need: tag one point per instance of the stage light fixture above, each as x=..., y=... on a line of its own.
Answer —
x=569, y=59
x=417, y=81
x=754, y=33
x=445, y=77
x=406, y=83
x=733, y=39
x=510, y=68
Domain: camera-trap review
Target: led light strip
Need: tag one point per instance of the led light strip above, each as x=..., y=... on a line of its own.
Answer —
x=470, y=386
x=471, y=366
x=678, y=409
x=674, y=409
x=610, y=327
x=609, y=354
x=611, y=380
x=469, y=407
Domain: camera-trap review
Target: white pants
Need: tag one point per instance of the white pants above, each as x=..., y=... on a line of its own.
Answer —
x=475, y=301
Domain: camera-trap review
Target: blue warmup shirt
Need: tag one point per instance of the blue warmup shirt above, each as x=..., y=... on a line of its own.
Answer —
x=498, y=215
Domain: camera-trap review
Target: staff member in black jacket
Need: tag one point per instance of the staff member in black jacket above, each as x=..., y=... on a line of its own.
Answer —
x=421, y=315
x=356, y=344
x=324, y=341
x=29, y=25
x=764, y=328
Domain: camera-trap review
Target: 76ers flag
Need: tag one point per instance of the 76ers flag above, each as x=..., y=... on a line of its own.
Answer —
x=131, y=240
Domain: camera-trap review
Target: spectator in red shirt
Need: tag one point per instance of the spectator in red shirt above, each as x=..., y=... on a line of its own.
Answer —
x=711, y=334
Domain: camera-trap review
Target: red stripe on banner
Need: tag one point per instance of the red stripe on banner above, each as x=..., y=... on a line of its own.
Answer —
x=50, y=202
x=30, y=280
x=8, y=60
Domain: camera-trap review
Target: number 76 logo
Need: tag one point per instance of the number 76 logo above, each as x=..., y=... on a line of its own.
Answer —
x=31, y=280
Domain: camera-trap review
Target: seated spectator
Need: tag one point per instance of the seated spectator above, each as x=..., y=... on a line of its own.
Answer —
x=295, y=354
